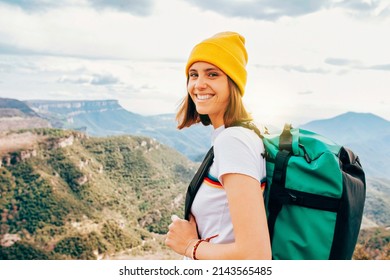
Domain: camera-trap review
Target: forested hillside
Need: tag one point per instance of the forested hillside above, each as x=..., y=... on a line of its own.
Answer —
x=76, y=197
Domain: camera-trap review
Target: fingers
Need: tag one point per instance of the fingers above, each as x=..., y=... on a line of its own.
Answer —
x=171, y=234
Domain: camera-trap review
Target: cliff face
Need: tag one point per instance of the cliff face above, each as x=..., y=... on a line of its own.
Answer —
x=73, y=108
x=20, y=146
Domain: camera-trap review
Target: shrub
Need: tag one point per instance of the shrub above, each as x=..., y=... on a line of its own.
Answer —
x=34, y=202
x=120, y=239
x=373, y=244
x=22, y=251
x=77, y=247
x=66, y=169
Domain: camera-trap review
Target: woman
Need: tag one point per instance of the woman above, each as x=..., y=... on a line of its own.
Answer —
x=228, y=219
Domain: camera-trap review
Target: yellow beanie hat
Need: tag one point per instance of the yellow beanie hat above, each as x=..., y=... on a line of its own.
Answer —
x=226, y=50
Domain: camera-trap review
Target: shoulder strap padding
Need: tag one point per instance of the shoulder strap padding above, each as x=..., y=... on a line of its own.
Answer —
x=197, y=181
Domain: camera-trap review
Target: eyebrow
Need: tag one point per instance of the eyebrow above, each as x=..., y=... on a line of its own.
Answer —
x=205, y=70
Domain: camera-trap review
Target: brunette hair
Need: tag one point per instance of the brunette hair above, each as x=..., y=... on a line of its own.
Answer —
x=235, y=111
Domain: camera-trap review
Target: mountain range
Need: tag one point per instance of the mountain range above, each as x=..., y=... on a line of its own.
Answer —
x=366, y=134
x=108, y=118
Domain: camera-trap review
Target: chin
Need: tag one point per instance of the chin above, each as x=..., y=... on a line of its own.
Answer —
x=202, y=111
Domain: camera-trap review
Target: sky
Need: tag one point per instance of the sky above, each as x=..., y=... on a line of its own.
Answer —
x=308, y=59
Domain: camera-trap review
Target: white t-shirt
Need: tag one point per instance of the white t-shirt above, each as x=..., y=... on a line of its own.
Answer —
x=236, y=150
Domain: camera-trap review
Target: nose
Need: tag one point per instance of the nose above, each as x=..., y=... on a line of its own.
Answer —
x=200, y=83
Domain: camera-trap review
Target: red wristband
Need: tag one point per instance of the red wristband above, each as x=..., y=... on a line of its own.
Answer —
x=196, y=248
x=197, y=245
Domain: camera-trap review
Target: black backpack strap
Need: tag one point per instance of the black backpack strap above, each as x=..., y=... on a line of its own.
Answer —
x=197, y=181
x=277, y=188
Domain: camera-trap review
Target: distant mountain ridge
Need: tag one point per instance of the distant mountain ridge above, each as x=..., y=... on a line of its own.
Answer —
x=15, y=114
x=108, y=118
x=16, y=105
x=72, y=108
x=351, y=126
x=366, y=134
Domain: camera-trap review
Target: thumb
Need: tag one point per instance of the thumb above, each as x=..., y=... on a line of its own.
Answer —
x=174, y=218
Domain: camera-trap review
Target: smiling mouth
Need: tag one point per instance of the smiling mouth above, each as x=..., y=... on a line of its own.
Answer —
x=204, y=96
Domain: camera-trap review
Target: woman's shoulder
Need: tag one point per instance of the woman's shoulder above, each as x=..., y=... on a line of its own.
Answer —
x=239, y=150
x=239, y=132
x=238, y=136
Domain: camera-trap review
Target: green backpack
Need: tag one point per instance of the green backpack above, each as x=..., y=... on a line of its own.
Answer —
x=314, y=197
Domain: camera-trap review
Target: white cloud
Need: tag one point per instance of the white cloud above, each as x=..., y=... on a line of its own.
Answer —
x=137, y=7
x=270, y=10
x=95, y=79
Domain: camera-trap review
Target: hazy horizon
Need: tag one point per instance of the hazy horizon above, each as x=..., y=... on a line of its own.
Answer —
x=259, y=121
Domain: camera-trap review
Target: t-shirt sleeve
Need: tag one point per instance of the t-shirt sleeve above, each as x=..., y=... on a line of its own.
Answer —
x=238, y=150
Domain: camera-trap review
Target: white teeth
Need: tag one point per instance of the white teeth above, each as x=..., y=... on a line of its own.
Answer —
x=204, y=96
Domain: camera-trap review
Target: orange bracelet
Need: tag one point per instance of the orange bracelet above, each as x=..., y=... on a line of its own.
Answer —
x=197, y=245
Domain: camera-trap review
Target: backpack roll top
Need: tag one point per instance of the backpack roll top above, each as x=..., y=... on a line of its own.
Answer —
x=312, y=206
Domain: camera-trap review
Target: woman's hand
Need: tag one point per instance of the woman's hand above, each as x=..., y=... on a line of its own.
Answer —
x=181, y=234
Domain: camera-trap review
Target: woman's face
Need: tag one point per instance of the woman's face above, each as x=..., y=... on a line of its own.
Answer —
x=209, y=89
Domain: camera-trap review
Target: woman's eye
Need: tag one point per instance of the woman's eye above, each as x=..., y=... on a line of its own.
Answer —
x=213, y=74
x=192, y=75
